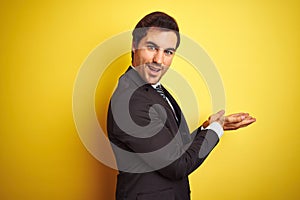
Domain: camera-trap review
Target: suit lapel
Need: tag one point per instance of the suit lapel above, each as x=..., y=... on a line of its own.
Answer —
x=174, y=104
x=181, y=123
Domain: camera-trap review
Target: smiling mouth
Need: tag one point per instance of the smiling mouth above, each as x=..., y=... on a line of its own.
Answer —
x=153, y=68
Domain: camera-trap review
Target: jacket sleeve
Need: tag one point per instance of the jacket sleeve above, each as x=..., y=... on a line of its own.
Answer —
x=198, y=150
x=159, y=143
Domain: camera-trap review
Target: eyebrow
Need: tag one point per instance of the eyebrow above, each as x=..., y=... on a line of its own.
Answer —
x=152, y=43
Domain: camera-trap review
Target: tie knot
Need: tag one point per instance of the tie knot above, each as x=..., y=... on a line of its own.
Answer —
x=158, y=87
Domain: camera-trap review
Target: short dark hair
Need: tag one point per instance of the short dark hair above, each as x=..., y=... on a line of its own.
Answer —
x=155, y=19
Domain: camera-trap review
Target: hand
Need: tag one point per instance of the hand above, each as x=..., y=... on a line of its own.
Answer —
x=217, y=117
x=237, y=120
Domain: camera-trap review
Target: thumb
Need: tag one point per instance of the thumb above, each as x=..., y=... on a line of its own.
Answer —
x=216, y=116
x=219, y=114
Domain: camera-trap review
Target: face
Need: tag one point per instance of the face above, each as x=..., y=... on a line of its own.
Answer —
x=154, y=53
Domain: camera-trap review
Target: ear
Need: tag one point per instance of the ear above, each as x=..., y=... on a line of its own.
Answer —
x=133, y=47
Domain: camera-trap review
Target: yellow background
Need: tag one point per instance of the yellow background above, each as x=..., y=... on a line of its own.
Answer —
x=254, y=44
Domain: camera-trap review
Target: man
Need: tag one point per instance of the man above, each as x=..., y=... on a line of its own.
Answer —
x=154, y=149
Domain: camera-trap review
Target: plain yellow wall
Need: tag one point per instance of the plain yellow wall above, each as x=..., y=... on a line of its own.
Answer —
x=254, y=44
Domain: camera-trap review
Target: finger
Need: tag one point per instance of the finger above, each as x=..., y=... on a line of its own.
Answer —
x=219, y=114
x=243, y=122
x=238, y=114
x=234, y=119
x=238, y=117
x=216, y=116
x=249, y=121
x=234, y=126
x=229, y=128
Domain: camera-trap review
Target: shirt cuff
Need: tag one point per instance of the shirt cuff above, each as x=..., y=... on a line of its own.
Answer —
x=216, y=127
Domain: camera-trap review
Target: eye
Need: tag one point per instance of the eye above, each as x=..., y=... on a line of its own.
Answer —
x=169, y=52
x=151, y=47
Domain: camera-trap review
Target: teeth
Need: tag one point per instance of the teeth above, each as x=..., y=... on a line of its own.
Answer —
x=153, y=69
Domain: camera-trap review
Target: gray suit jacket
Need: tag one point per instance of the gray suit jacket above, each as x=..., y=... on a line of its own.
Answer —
x=155, y=153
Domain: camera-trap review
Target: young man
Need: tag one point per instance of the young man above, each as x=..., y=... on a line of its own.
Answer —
x=154, y=149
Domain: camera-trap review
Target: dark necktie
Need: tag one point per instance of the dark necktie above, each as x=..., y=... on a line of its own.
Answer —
x=161, y=92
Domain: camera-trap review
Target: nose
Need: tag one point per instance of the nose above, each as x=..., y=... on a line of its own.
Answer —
x=159, y=56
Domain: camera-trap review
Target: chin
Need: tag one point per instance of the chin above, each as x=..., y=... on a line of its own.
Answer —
x=152, y=82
